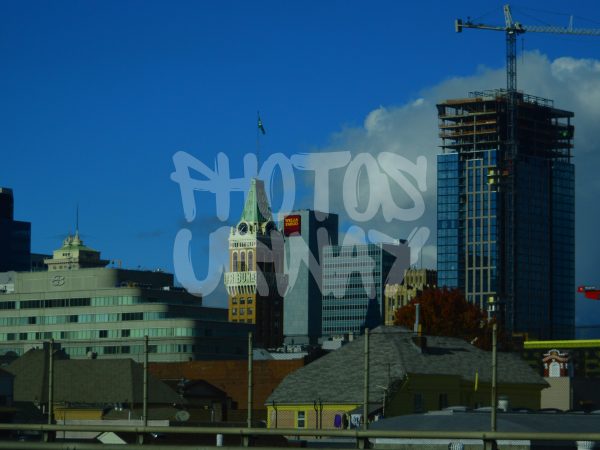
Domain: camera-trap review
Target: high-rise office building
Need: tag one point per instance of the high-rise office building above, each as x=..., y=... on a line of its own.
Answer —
x=354, y=279
x=256, y=283
x=506, y=223
x=306, y=233
x=15, y=236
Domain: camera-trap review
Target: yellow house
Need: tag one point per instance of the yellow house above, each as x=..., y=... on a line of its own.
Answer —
x=407, y=374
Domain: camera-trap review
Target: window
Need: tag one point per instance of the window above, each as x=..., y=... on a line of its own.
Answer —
x=554, y=369
x=103, y=333
x=234, y=262
x=300, y=419
x=243, y=262
x=250, y=260
x=125, y=333
x=418, y=402
x=443, y=401
x=132, y=316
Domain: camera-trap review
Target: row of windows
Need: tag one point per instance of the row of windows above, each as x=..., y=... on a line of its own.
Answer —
x=242, y=301
x=358, y=265
x=347, y=294
x=82, y=318
x=344, y=318
x=241, y=266
x=336, y=330
x=139, y=349
x=353, y=251
x=344, y=306
x=234, y=311
x=54, y=303
x=79, y=302
x=106, y=334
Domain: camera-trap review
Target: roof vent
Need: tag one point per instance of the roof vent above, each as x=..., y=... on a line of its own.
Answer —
x=503, y=403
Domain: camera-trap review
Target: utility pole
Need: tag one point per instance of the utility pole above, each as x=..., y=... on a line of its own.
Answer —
x=494, y=372
x=51, y=382
x=249, y=422
x=366, y=392
x=140, y=437
x=145, y=405
x=49, y=435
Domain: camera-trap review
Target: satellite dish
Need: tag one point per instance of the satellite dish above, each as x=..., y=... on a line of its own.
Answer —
x=182, y=416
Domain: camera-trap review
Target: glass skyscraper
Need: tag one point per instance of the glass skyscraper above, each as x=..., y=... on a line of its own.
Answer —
x=354, y=280
x=506, y=229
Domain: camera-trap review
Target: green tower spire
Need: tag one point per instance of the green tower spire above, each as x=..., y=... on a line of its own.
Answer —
x=256, y=209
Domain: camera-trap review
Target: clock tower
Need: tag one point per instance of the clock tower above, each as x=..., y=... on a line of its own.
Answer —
x=255, y=282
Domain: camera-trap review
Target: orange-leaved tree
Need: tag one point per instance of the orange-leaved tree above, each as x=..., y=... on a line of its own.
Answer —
x=445, y=312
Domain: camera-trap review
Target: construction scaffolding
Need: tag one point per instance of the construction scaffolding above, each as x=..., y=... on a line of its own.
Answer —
x=480, y=121
x=510, y=205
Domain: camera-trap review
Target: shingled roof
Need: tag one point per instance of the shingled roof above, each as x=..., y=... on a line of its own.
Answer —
x=338, y=377
x=88, y=381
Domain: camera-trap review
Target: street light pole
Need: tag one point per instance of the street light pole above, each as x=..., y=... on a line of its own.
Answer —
x=494, y=373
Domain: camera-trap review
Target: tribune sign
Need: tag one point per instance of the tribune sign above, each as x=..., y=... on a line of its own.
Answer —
x=292, y=225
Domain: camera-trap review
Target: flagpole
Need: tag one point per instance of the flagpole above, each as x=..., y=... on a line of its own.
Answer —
x=257, y=142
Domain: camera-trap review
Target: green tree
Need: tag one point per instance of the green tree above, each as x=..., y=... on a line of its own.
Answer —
x=445, y=312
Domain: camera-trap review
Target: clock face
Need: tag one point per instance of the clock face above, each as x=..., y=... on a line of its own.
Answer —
x=243, y=228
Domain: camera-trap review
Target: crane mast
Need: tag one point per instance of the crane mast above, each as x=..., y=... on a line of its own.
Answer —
x=512, y=30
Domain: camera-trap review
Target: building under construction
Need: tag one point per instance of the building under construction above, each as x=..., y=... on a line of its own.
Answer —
x=506, y=226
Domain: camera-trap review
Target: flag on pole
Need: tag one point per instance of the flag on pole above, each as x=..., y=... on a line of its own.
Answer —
x=260, y=126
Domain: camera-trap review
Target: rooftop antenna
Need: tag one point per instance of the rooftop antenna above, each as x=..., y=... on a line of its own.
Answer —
x=77, y=219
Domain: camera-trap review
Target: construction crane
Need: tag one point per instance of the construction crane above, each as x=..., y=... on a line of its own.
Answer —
x=591, y=292
x=512, y=29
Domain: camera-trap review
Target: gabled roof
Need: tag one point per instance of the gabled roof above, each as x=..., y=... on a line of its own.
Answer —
x=338, y=377
x=257, y=209
x=87, y=381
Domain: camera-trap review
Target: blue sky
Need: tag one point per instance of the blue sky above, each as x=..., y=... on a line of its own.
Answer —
x=97, y=96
